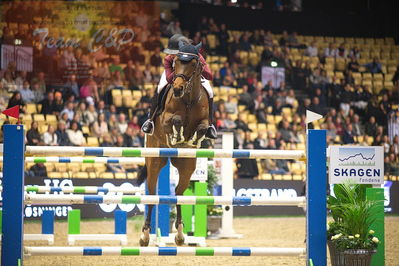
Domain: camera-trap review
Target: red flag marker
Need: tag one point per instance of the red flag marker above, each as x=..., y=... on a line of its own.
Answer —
x=13, y=112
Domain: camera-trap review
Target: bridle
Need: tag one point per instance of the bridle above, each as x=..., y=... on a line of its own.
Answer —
x=188, y=86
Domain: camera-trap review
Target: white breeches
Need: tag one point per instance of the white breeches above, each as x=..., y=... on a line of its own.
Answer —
x=205, y=83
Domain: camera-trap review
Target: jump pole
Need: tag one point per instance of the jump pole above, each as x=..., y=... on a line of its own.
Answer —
x=316, y=192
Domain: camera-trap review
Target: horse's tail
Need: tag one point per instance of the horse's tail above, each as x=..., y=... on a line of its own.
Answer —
x=142, y=176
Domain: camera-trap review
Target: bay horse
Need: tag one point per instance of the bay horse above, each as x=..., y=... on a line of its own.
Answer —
x=182, y=124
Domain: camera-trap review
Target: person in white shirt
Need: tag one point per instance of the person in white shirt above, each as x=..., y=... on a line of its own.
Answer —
x=122, y=124
x=312, y=50
x=90, y=115
x=331, y=51
x=49, y=137
x=75, y=135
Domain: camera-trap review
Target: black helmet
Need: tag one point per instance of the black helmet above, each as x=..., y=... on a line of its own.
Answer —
x=173, y=44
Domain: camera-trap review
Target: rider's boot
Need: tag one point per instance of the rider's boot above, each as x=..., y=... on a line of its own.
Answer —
x=148, y=126
x=211, y=131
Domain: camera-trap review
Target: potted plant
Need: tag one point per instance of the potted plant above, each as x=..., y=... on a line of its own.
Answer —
x=214, y=212
x=350, y=239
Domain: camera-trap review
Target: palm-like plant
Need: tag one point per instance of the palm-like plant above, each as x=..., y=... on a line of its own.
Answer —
x=353, y=215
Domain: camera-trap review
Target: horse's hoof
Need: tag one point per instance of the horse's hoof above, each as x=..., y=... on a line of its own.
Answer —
x=179, y=240
x=144, y=243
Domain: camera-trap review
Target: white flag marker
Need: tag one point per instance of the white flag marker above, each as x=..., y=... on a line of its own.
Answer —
x=312, y=116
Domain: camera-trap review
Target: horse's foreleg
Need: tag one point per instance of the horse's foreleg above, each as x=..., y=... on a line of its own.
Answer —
x=154, y=166
x=199, y=135
x=185, y=167
x=177, y=136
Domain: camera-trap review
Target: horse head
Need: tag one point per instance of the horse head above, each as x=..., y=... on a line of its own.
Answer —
x=187, y=66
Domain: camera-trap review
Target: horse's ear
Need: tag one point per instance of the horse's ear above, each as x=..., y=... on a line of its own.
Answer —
x=181, y=44
x=198, y=46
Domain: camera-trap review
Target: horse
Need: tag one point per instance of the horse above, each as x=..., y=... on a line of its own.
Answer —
x=182, y=124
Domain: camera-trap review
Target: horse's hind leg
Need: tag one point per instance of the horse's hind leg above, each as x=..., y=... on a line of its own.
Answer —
x=154, y=166
x=186, y=167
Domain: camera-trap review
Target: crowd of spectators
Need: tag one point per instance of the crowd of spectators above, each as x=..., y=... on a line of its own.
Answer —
x=75, y=85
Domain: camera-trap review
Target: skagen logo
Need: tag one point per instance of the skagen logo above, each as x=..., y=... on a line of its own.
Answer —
x=101, y=38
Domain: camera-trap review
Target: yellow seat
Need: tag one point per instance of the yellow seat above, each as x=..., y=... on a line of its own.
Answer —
x=116, y=92
x=31, y=108
x=120, y=176
x=83, y=175
x=92, y=141
x=107, y=175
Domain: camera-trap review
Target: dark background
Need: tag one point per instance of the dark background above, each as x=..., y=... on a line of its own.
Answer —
x=358, y=18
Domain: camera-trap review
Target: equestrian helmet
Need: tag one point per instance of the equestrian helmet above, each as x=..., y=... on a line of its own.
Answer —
x=173, y=44
x=188, y=52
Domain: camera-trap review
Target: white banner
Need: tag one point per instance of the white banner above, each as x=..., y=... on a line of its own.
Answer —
x=360, y=165
x=200, y=173
x=22, y=56
x=275, y=74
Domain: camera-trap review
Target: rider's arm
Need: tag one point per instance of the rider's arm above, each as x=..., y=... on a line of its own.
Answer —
x=168, y=64
x=206, y=71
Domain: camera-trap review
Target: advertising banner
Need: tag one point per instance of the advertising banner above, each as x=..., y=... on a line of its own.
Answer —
x=88, y=210
x=360, y=165
x=268, y=189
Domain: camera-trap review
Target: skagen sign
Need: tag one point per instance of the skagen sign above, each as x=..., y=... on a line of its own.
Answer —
x=101, y=38
x=360, y=165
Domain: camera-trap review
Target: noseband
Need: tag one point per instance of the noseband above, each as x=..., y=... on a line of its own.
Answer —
x=188, y=86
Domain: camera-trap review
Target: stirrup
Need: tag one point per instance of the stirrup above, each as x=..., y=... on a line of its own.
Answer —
x=151, y=123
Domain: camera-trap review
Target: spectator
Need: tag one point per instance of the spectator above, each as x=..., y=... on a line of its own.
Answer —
x=312, y=50
x=90, y=115
x=371, y=127
x=50, y=137
x=72, y=85
x=331, y=51
x=26, y=93
x=348, y=137
x=174, y=28
x=100, y=127
x=89, y=90
x=342, y=53
x=16, y=99
x=122, y=123
x=247, y=168
x=68, y=110
x=41, y=83
x=357, y=126
x=107, y=141
x=39, y=170
x=21, y=78
x=156, y=59
x=374, y=67
x=8, y=82
x=48, y=104
x=130, y=75
x=58, y=103
x=62, y=136
x=75, y=135
x=32, y=135
x=134, y=123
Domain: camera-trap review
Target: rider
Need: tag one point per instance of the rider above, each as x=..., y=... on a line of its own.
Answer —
x=168, y=77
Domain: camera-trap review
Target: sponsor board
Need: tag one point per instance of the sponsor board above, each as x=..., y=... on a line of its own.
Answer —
x=88, y=210
x=360, y=165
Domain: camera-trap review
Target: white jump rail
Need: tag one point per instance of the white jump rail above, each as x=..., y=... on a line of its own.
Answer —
x=165, y=152
x=155, y=200
x=163, y=251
